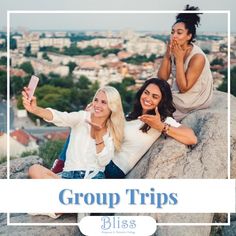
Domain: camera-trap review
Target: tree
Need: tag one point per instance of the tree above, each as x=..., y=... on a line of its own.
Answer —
x=17, y=84
x=128, y=81
x=3, y=61
x=127, y=96
x=13, y=44
x=66, y=82
x=45, y=56
x=49, y=151
x=83, y=82
x=224, y=86
x=71, y=66
x=27, y=67
x=3, y=84
x=217, y=61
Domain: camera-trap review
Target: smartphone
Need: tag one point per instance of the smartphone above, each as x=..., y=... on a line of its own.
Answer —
x=32, y=86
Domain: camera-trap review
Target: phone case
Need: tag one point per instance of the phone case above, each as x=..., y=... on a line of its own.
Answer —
x=32, y=85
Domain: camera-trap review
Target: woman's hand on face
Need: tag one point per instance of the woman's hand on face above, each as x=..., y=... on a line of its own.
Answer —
x=153, y=120
x=177, y=50
x=29, y=105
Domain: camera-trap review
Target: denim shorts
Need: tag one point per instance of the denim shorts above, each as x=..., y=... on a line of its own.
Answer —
x=79, y=174
x=112, y=171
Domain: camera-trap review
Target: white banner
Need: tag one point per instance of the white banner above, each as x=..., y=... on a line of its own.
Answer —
x=121, y=196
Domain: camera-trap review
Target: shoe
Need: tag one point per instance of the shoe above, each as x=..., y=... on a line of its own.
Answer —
x=52, y=215
x=57, y=166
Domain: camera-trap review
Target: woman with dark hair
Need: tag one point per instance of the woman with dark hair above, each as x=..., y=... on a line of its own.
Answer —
x=151, y=116
x=192, y=84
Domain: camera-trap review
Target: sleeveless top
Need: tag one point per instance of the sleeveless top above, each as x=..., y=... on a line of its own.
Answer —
x=200, y=95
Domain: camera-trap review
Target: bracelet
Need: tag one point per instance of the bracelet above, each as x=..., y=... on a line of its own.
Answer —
x=166, y=129
x=99, y=143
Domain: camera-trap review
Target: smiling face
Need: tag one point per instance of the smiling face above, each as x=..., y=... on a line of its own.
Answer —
x=150, y=98
x=100, y=105
x=180, y=34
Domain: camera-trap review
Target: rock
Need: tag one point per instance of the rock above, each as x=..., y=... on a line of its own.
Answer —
x=233, y=138
x=229, y=230
x=208, y=159
x=168, y=159
x=19, y=167
x=38, y=230
x=3, y=170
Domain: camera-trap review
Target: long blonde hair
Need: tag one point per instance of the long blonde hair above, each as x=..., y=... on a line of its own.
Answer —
x=116, y=121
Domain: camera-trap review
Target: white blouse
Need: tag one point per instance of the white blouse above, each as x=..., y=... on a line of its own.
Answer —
x=81, y=152
x=136, y=143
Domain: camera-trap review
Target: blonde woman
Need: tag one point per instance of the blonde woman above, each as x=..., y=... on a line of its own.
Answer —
x=95, y=135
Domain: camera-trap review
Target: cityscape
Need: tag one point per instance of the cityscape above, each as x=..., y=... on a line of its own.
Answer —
x=84, y=61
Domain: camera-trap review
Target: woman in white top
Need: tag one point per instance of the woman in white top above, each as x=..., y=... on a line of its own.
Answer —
x=192, y=85
x=95, y=135
x=151, y=116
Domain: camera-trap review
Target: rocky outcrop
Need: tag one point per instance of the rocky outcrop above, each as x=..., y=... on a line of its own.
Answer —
x=168, y=158
x=38, y=230
x=19, y=167
x=165, y=159
x=208, y=159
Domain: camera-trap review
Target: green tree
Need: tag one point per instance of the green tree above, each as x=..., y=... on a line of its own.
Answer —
x=45, y=56
x=224, y=86
x=27, y=67
x=83, y=82
x=217, y=61
x=3, y=61
x=66, y=82
x=127, y=96
x=13, y=44
x=3, y=84
x=72, y=66
x=49, y=151
x=17, y=84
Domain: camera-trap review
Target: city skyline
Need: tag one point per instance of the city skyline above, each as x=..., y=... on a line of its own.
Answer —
x=210, y=22
x=101, y=21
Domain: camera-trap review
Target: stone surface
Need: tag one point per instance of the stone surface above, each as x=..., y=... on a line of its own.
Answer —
x=208, y=159
x=20, y=166
x=38, y=230
x=165, y=159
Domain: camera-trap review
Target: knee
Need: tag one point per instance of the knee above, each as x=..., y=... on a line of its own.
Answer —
x=34, y=171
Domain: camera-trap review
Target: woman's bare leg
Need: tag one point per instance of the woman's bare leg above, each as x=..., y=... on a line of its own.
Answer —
x=37, y=171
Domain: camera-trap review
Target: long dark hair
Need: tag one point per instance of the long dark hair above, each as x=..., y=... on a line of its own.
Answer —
x=165, y=106
x=190, y=20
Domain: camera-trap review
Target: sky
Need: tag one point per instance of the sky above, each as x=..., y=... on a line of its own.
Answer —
x=160, y=22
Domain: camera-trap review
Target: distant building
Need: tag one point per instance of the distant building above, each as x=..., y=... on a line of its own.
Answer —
x=20, y=142
x=45, y=67
x=103, y=43
x=146, y=46
x=55, y=42
x=63, y=135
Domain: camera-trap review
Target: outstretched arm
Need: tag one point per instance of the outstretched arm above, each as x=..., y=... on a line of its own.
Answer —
x=32, y=107
x=182, y=134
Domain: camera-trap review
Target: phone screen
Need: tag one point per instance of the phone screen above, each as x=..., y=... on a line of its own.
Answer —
x=32, y=85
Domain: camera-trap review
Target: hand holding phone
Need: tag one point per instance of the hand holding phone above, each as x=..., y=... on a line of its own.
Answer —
x=32, y=86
